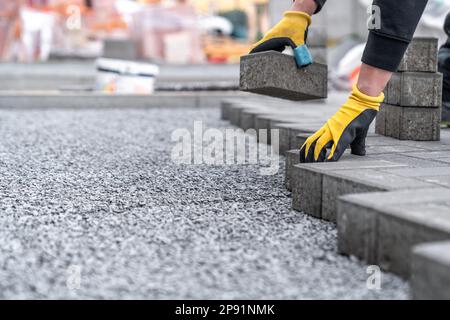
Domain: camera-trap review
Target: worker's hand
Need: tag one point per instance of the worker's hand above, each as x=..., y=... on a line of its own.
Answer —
x=289, y=32
x=348, y=126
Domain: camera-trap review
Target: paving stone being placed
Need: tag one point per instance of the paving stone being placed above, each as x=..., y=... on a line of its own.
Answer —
x=276, y=74
x=421, y=56
x=430, y=271
x=307, y=180
x=414, y=89
x=382, y=228
x=292, y=158
x=409, y=123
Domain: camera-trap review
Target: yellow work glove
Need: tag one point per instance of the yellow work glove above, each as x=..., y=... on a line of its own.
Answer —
x=348, y=126
x=289, y=32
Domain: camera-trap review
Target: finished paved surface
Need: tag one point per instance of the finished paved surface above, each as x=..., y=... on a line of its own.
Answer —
x=97, y=189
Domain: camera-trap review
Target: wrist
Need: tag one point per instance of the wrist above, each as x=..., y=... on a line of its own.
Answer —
x=307, y=6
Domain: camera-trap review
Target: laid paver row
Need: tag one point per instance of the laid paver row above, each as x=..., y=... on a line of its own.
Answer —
x=402, y=171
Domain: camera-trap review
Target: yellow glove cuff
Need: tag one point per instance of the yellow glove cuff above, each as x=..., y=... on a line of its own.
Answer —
x=299, y=17
x=366, y=101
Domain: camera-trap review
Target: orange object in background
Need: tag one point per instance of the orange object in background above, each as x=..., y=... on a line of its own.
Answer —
x=355, y=75
x=10, y=27
x=224, y=49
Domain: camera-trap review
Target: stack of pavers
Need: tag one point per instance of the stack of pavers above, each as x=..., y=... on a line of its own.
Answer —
x=392, y=207
x=412, y=108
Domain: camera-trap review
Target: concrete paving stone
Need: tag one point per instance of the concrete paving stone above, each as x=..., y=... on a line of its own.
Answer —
x=306, y=186
x=356, y=229
x=435, y=155
x=444, y=160
x=57, y=100
x=292, y=158
x=442, y=145
x=247, y=117
x=355, y=181
x=284, y=143
x=289, y=131
x=235, y=112
x=421, y=56
x=293, y=140
x=443, y=181
x=415, y=89
x=267, y=121
x=335, y=186
x=209, y=99
x=276, y=74
x=406, y=226
x=262, y=122
x=426, y=145
x=420, y=124
x=374, y=150
x=381, y=228
x=430, y=271
x=392, y=118
x=225, y=109
x=444, y=170
x=301, y=138
x=206, y=86
x=380, y=121
x=410, y=123
x=405, y=159
x=307, y=180
x=381, y=140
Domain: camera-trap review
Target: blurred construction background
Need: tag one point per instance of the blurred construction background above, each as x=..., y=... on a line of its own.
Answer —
x=171, y=31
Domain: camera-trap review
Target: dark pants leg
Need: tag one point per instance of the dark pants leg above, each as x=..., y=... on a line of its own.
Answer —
x=320, y=4
x=386, y=46
x=398, y=21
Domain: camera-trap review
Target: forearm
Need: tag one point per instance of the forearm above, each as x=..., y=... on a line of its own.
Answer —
x=309, y=6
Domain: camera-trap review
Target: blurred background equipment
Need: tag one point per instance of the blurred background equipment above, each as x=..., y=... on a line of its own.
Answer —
x=179, y=35
x=125, y=77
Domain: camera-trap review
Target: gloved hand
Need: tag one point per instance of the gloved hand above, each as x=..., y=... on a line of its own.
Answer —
x=289, y=32
x=348, y=126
